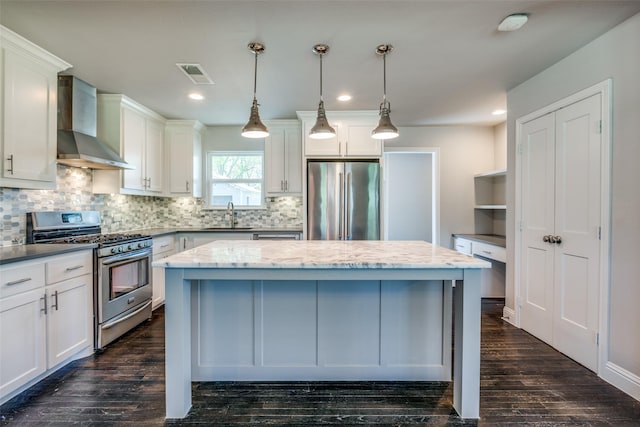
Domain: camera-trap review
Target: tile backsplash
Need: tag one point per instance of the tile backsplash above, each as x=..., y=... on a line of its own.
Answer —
x=122, y=213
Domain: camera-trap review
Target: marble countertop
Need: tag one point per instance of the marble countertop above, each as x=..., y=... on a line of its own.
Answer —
x=320, y=254
x=17, y=253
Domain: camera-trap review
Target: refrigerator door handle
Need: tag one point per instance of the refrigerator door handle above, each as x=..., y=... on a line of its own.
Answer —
x=341, y=210
x=347, y=211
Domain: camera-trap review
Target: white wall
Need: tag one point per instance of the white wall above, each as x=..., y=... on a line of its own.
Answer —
x=500, y=138
x=464, y=152
x=615, y=55
x=228, y=138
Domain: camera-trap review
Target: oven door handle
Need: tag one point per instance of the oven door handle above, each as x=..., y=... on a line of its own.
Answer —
x=127, y=257
x=115, y=322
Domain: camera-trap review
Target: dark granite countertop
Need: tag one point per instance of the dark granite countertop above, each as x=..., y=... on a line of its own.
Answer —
x=17, y=253
x=492, y=239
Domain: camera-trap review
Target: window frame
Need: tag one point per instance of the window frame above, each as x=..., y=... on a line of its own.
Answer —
x=209, y=181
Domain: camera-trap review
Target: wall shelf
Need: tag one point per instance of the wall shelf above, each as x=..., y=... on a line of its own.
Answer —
x=490, y=202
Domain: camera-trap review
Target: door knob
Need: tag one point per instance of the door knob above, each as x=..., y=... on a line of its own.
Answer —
x=555, y=239
x=546, y=238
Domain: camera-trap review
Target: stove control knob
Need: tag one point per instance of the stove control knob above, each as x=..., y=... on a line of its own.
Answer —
x=114, y=250
x=140, y=245
x=130, y=247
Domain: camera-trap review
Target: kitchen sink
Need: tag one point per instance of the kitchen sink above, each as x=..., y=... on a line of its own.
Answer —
x=228, y=228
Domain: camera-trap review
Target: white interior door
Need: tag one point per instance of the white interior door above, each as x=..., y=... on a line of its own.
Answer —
x=538, y=169
x=561, y=206
x=577, y=222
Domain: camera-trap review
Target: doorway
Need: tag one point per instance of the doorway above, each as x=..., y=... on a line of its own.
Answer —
x=411, y=205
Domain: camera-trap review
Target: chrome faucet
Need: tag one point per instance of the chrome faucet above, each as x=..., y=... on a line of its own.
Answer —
x=231, y=211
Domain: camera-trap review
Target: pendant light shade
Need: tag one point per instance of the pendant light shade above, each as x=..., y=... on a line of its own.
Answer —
x=255, y=128
x=385, y=129
x=322, y=129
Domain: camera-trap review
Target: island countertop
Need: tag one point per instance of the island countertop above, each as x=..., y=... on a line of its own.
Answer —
x=320, y=254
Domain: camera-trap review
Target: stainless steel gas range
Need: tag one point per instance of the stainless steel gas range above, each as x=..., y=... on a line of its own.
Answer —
x=121, y=268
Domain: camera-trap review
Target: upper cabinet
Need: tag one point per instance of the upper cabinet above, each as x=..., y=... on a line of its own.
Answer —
x=137, y=133
x=353, y=135
x=183, y=146
x=283, y=157
x=28, y=112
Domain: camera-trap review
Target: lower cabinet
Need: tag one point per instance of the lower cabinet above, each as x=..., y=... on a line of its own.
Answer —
x=46, y=317
x=192, y=240
x=163, y=246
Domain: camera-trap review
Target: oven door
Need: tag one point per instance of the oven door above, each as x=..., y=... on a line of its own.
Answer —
x=124, y=282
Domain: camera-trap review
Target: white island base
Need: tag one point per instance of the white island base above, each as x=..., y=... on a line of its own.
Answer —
x=311, y=310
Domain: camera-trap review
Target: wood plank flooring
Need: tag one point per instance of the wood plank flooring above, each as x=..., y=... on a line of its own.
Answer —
x=523, y=382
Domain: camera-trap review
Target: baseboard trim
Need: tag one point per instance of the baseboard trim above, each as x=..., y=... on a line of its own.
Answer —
x=509, y=315
x=622, y=379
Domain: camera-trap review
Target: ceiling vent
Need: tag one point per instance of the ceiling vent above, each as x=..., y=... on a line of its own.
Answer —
x=195, y=73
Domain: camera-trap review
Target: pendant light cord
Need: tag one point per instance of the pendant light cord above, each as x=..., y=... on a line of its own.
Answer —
x=321, y=99
x=384, y=78
x=255, y=75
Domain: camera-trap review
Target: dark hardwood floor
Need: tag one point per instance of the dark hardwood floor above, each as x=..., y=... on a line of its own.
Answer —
x=524, y=382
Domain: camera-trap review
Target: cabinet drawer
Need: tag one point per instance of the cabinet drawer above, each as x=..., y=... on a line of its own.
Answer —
x=21, y=277
x=69, y=266
x=462, y=245
x=489, y=251
x=164, y=244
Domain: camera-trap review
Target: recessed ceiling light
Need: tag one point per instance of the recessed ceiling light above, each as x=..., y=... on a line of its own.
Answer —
x=344, y=97
x=499, y=112
x=196, y=96
x=513, y=22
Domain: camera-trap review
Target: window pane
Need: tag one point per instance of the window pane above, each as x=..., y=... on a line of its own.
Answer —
x=233, y=166
x=241, y=194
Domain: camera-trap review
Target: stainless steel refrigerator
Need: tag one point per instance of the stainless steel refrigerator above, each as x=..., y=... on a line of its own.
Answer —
x=343, y=200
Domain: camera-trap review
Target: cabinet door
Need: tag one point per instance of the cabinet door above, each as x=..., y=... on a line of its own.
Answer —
x=180, y=160
x=154, y=155
x=22, y=339
x=133, y=137
x=293, y=161
x=70, y=318
x=29, y=138
x=275, y=152
x=321, y=147
x=359, y=143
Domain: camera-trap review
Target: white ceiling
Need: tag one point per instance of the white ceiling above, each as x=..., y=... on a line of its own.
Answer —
x=450, y=65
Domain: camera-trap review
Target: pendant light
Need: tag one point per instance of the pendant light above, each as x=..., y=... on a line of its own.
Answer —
x=255, y=128
x=322, y=129
x=385, y=129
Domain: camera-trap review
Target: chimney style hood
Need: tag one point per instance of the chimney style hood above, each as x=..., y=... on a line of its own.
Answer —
x=77, y=115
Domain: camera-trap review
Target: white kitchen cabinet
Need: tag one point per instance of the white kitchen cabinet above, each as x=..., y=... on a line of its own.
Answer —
x=492, y=284
x=183, y=146
x=163, y=246
x=70, y=305
x=28, y=112
x=353, y=135
x=46, y=317
x=283, y=158
x=462, y=245
x=137, y=133
x=22, y=325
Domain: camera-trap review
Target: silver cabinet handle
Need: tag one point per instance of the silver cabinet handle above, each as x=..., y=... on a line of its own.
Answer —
x=286, y=185
x=73, y=268
x=44, y=309
x=487, y=252
x=17, y=282
x=10, y=159
x=55, y=295
x=164, y=246
x=187, y=186
x=281, y=185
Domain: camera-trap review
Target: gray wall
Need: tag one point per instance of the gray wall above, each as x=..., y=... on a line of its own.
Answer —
x=464, y=152
x=614, y=55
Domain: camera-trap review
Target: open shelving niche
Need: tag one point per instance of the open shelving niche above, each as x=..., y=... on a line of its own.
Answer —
x=490, y=202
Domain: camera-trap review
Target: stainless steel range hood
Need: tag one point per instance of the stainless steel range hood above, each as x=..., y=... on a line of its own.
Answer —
x=77, y=142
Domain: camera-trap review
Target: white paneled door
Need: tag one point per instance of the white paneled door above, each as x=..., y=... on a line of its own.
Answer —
x=561, y=206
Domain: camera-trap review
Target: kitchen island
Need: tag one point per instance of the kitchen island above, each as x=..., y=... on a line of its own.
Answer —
x=321, y=310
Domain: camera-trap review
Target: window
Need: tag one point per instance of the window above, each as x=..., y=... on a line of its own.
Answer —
x=235, y=176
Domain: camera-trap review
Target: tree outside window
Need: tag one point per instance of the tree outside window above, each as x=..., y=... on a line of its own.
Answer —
x=236, y=177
